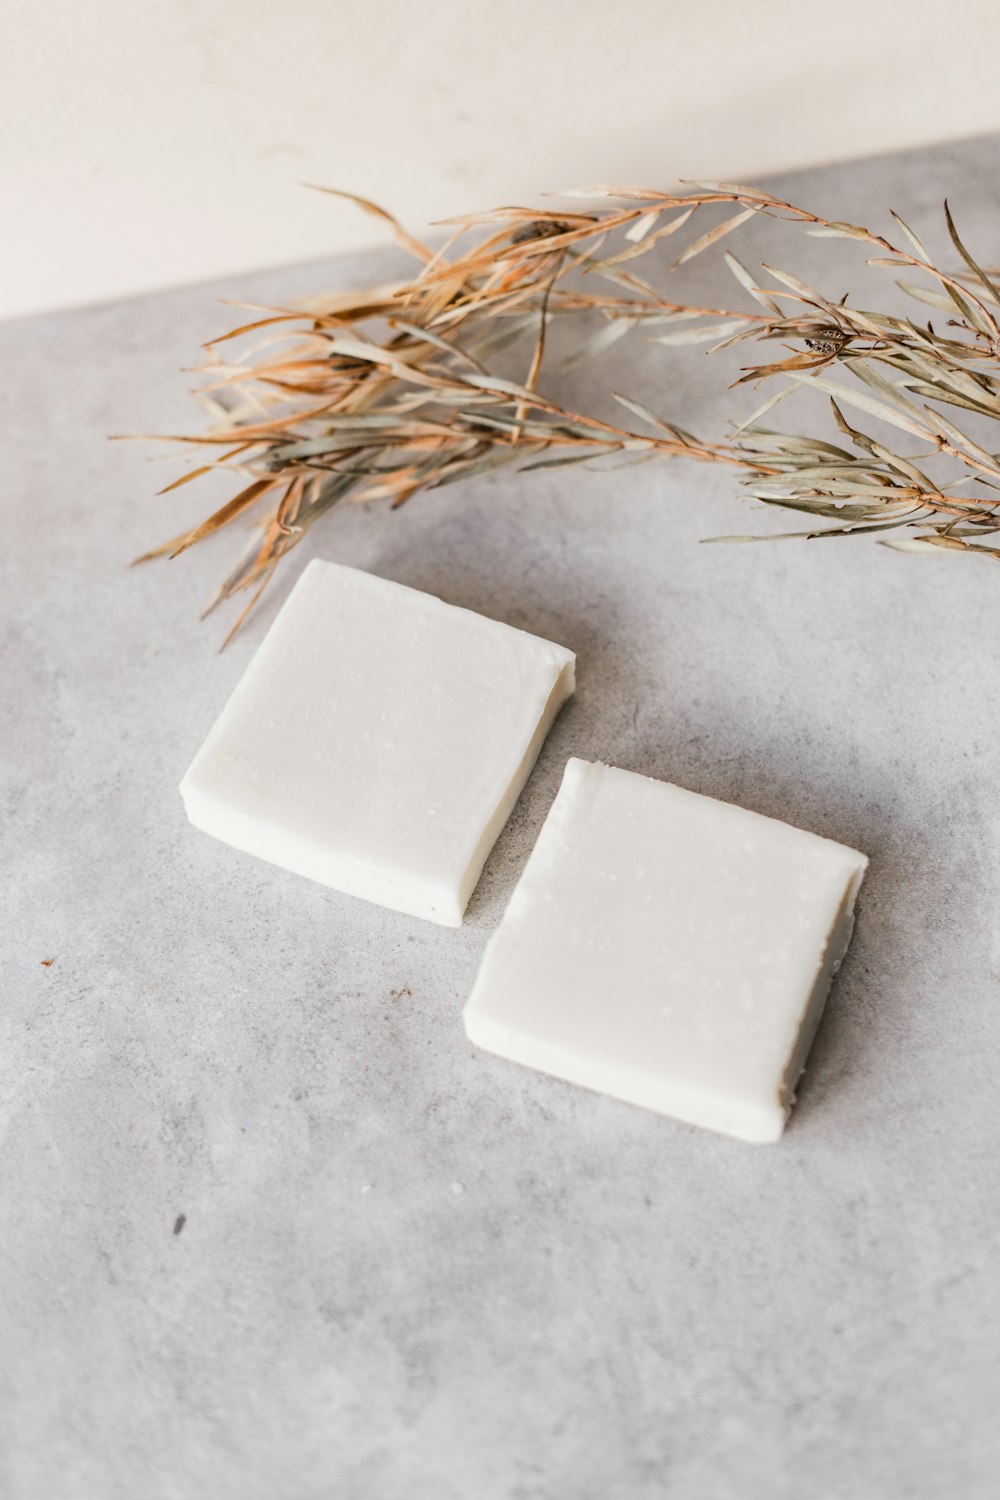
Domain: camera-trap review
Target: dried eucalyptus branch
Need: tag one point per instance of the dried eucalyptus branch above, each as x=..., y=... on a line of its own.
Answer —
x=383, y=392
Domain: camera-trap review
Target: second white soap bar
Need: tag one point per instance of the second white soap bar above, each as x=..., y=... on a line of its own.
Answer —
x=668, y=949
x=378, y=741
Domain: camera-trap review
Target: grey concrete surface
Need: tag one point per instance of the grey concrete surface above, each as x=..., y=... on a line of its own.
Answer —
x=410, y=1271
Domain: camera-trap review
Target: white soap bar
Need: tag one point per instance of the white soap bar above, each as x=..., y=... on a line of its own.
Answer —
x=668, y=949
x=378, y=741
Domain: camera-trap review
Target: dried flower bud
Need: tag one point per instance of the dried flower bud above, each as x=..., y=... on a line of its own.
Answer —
x=539, y=229
x=827, y=338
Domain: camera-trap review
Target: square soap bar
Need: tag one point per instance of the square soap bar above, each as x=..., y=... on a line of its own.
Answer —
x=669, y=950
x=378, y=741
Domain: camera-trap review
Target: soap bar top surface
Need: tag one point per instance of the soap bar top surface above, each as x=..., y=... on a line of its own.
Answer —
x=378, y=740
x=668, y=949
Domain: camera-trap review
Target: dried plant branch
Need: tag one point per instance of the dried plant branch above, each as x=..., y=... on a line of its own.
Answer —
x=381, y=393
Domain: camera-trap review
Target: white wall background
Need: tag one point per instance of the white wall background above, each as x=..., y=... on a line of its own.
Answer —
x=145, y=142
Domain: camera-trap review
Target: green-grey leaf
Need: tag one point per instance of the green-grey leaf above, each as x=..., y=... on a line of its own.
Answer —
x=599, y=341
x=698, y=335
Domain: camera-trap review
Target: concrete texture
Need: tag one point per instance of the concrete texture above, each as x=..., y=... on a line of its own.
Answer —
x=408, y=1270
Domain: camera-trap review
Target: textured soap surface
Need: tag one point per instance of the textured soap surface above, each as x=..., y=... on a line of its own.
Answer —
x=378, y=741
x=668, y=949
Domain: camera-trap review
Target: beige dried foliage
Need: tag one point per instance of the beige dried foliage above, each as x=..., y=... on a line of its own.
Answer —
x=377, y=394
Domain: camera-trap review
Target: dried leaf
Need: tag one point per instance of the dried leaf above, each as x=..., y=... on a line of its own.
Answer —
x=760, y=411
x=910, y=544
x=403, y=236
x=864, y=403
x=859, y=528
x=644, y=412
x=603, y=191
x=732, y=189
x=641, y=228
x=745, y=279
x=226, y=513
x=697, y=335
x=977, y=270
x=645, y=246
x=558, y=463
x=599, y=341
x=930, y=295
x=712, y=237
